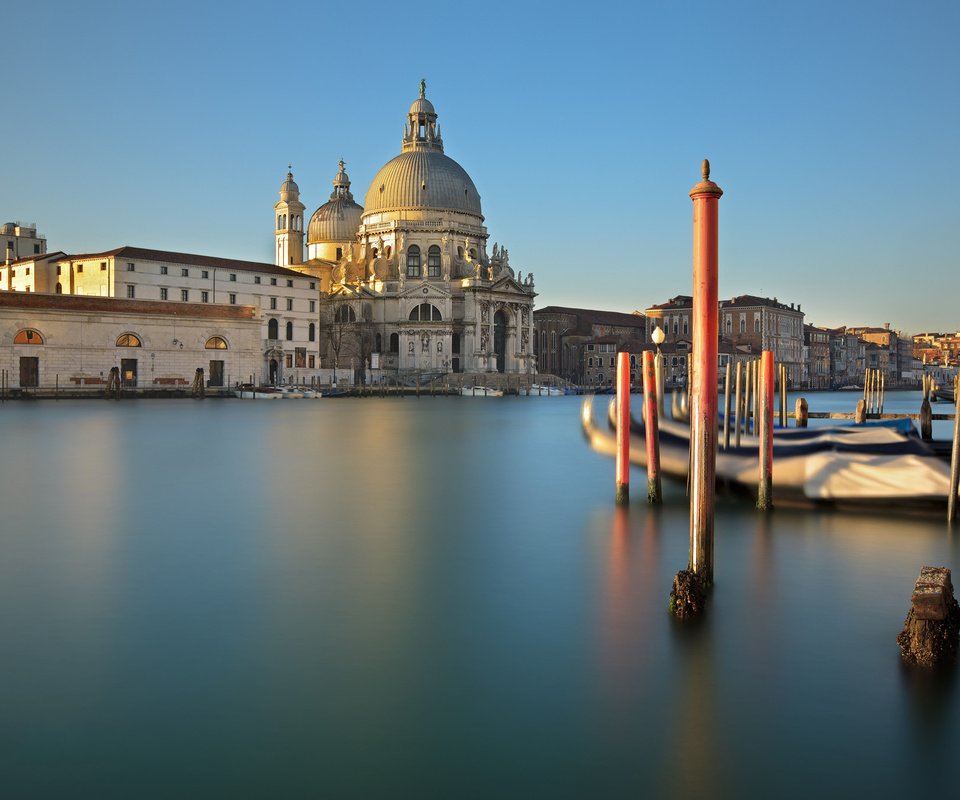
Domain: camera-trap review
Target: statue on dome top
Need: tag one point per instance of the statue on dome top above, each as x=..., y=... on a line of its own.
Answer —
x=423, y=88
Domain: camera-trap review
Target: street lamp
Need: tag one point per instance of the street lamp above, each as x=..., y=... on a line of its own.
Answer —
x=658, y=337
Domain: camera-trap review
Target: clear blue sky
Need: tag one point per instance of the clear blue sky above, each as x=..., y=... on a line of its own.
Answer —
x=831, y=126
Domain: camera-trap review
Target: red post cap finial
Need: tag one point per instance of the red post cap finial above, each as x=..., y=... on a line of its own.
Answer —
x=706, y=186
x=705, y=169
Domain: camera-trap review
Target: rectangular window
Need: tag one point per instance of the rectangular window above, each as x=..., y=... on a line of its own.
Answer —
x=58, y=269
x=163, y=270
x=289, y=304
x=204, y=274
x=184, y=272
x=103, y=266
x=313, y=305
x=79, y=267
x=131, y=292
x=163, y=292
x=130, y=266
x=185, y=295
x=313, y=284
x=233, y=299
x=289, y=284
x=36, y=248
x=28, y=270
x=256, y=279
x=233, y=276
x=289, y=360
x=273, y=303
x=312, y=361
x=204, y=297
x=273, y=281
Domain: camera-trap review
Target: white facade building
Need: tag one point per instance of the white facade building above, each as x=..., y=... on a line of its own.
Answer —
x=20, y=240
x=406, y=280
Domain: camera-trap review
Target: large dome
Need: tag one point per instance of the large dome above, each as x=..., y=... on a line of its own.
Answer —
x=422, y=179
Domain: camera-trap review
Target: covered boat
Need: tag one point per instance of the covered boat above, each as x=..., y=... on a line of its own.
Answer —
x=852, y=464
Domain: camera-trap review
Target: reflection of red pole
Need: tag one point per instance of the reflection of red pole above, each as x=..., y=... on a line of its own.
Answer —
x=765, y=429
x=703, y=394
x=651, y=426
x=623, y=429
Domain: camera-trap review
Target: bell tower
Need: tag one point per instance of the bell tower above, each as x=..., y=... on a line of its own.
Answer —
x=289, y=218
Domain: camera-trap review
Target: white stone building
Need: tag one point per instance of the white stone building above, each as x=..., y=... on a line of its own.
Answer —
x=286, y=302
x=73, y=342
x=407, y=284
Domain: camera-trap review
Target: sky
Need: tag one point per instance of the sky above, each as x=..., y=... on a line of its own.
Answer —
x=830, y=126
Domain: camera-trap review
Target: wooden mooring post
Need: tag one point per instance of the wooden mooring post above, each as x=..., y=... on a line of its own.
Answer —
x=765, y=430
x=932, y=628
x=651, y=402
x=783, y=395
x=801, y=412
x=688, y=593
x=738, y=418
x=726, y=409
x=954, y=467
x=623, y=429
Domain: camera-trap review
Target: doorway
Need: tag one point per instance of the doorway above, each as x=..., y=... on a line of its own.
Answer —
x=216, y=373
x=128, y=371
x=29, y=371
x=500, y=339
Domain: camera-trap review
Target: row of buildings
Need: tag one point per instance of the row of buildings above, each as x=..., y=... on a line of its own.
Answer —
x=401, y=286
x=580, y=345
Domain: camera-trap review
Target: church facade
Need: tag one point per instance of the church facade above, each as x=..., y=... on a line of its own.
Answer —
x=406, y=282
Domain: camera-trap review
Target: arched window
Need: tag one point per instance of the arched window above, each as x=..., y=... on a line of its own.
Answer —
x=339, y=253
x=379, y=347
x=426, y=312
x=289, y=331
x=387, y=251
x=553, y=341
x=433, y=261
x=129, y=340
x=394, y=342
x=28, y=337
x=473, y=254
x=729, y=325
x=543, y=340
x=59, y=288
x=413, y=261
x=216, y=343
x=743, y=325
x=459, y=252
x=345, y=313
x=312, y=332
x=273, y=329
x=756, y=324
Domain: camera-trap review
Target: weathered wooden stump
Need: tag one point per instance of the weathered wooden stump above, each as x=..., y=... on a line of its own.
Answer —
x=688, y=595
x=932, y=627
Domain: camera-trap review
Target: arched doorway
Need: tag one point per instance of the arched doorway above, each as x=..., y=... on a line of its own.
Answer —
x=500, y=339
x=274, y=371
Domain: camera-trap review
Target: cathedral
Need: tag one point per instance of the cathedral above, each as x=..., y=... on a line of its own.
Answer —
x=407, y=285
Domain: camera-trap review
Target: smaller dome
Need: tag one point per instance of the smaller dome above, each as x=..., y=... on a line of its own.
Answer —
x=337, y=220
x=289, y=189
x=422, y=106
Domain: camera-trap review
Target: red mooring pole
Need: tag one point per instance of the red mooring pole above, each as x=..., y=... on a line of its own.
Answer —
x=765, y=430
x=623, y=429
x=651, y=426
x=703, y=391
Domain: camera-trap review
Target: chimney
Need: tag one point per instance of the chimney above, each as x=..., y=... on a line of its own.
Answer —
x=798, y=306
x=9, y=253
x=886, y=326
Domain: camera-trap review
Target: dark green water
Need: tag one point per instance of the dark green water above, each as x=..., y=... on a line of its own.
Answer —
x=431, y=598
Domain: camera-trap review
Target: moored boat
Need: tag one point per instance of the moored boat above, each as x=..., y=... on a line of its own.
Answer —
x=857, y=464
x=480, y=391
x=539, y=390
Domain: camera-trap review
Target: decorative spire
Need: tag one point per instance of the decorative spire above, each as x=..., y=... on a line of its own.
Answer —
x=705, y=169
x=423, y=88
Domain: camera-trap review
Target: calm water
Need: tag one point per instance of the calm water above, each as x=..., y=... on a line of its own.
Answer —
x=432, y=598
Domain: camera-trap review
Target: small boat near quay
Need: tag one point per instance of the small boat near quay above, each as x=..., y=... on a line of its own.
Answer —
x=862, y=465
x=539, y=390
x=247, y=391
x=480, y=391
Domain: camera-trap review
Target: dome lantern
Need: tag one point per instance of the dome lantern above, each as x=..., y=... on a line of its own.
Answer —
x=421, y=131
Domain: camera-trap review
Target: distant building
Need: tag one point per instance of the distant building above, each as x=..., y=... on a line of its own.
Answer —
x=567, y=338
x=817, y=345
x=20, y=239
